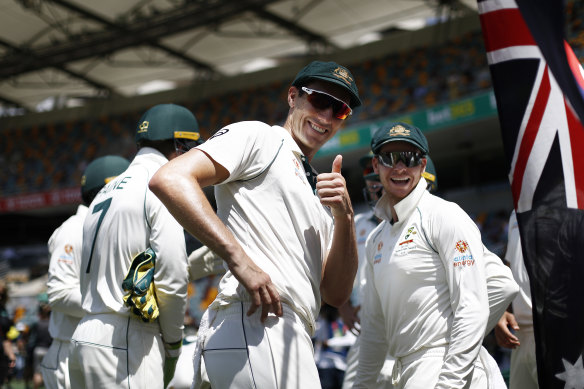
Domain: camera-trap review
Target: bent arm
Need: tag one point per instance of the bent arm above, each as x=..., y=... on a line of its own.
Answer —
x=179, y=185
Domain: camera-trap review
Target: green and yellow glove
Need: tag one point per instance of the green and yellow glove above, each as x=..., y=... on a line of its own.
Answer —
x=139, y=285
x=172, y=352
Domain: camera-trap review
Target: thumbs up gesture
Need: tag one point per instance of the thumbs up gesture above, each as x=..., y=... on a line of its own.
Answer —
x=332, y=190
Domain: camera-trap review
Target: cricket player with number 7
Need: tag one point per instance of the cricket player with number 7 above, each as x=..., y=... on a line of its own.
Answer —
x=134, y=268
x=286, y=234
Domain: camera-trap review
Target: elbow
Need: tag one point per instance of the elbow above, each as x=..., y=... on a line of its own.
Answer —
x=335, y=299
x=156, y=183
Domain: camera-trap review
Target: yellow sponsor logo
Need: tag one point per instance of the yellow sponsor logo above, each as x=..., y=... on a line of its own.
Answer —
x=187, y=135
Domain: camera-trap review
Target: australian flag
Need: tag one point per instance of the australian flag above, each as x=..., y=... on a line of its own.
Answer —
x=538, y=87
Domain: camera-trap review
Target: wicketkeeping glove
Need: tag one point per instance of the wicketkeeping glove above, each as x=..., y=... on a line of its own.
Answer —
x=139, y=285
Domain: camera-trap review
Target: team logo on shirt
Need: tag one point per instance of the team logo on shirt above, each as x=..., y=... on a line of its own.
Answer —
x=68, y=248
x=362, y=236
x=297, y=171
x=461, y=246
x=222, y=131
x=377, y=257
x=465, y=260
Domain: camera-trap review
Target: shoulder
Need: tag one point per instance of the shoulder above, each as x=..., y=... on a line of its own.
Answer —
x=250, y=127
x=431, y=206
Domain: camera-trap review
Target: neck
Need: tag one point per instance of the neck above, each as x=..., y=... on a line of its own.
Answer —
x=307, y=152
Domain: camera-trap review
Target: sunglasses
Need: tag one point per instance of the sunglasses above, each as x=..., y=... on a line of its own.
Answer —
x=409, y=158
x=321, y=101
x=186, y=140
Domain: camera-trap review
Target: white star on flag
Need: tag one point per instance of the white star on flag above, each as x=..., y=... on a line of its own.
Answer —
x=573, y=375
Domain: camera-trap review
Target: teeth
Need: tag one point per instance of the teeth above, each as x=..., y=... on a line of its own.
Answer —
x=400, y=179
x=318, y=129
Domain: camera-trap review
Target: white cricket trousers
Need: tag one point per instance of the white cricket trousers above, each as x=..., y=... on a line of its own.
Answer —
x=54, y=365
x=420, y=370
x=240, y=352
x=116, y=351
x=523, y=372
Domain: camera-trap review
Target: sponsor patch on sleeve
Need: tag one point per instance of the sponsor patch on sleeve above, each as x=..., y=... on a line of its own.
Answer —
x=465, y=259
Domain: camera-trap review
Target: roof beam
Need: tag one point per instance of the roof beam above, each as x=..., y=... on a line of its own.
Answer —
x=190, y=15
x=92, y=16
x=84, y=78
x=303, y=33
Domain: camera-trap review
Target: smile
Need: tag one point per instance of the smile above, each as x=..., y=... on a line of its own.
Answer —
x=318, y=129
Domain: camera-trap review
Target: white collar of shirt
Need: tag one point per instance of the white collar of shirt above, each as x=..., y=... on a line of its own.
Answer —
x=405, y=207
x=153, y=155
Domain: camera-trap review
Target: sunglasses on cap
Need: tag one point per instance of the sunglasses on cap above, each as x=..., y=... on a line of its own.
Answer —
x=186, y=140
x=321, y=101
x=409, y=158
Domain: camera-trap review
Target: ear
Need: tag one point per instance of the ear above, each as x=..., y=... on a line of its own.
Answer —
x=424, y=162
x=375, y=164
x=292, y=94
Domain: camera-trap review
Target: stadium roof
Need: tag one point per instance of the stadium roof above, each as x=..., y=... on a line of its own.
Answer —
x=64, y=53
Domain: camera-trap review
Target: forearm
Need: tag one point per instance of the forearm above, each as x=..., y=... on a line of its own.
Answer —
x=341, y=264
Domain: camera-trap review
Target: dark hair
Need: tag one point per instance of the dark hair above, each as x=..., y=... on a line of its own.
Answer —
x=165, y=146
x=89, y=195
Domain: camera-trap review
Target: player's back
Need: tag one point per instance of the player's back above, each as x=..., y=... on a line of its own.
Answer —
x=115, y=230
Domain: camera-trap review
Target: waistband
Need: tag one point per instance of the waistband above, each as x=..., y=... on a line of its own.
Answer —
x=289, y=310
x=425, y=352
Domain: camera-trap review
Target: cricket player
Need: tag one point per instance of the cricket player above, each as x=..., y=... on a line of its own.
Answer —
x=112, y=347
x=64, y=270
x=515, y=330
x=425, y=298
x=286, y=234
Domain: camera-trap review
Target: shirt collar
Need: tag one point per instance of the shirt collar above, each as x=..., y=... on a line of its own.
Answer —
x=405, y=207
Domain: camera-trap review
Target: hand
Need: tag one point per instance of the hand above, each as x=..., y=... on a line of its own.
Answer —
x=332, y=190
x=349, y=316
x=260, y=288
x=503, y=335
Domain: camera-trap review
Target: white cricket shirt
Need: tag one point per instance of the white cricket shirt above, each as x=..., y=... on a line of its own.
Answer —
x=522, y=302
x=272, y=211
x=365, y=222
x=124, y=219
x=426, y=287
x=63, y=285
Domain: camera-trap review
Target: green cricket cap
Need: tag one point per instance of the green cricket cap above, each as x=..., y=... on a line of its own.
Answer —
x=101, y=171
x=330, y=72
x=167, y=121
x=399, y=131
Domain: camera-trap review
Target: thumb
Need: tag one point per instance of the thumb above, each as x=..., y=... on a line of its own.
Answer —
x=337, y=164
x=513, y=322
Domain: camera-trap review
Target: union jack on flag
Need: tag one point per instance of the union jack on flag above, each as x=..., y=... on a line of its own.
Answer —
x=538, y=86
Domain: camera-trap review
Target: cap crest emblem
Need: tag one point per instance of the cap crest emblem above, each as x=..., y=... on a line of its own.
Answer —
x=399, y=130
x=343, y=75
x=143, y=126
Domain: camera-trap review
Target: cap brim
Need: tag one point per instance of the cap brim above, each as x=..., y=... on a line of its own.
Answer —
x=355, y=100
x=410, y=141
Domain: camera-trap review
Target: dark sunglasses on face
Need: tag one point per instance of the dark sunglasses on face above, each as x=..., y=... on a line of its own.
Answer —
x=409, y=158
x=321, y=101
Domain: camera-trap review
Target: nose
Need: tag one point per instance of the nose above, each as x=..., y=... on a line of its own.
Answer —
x=326, y=114
x=400, y=165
